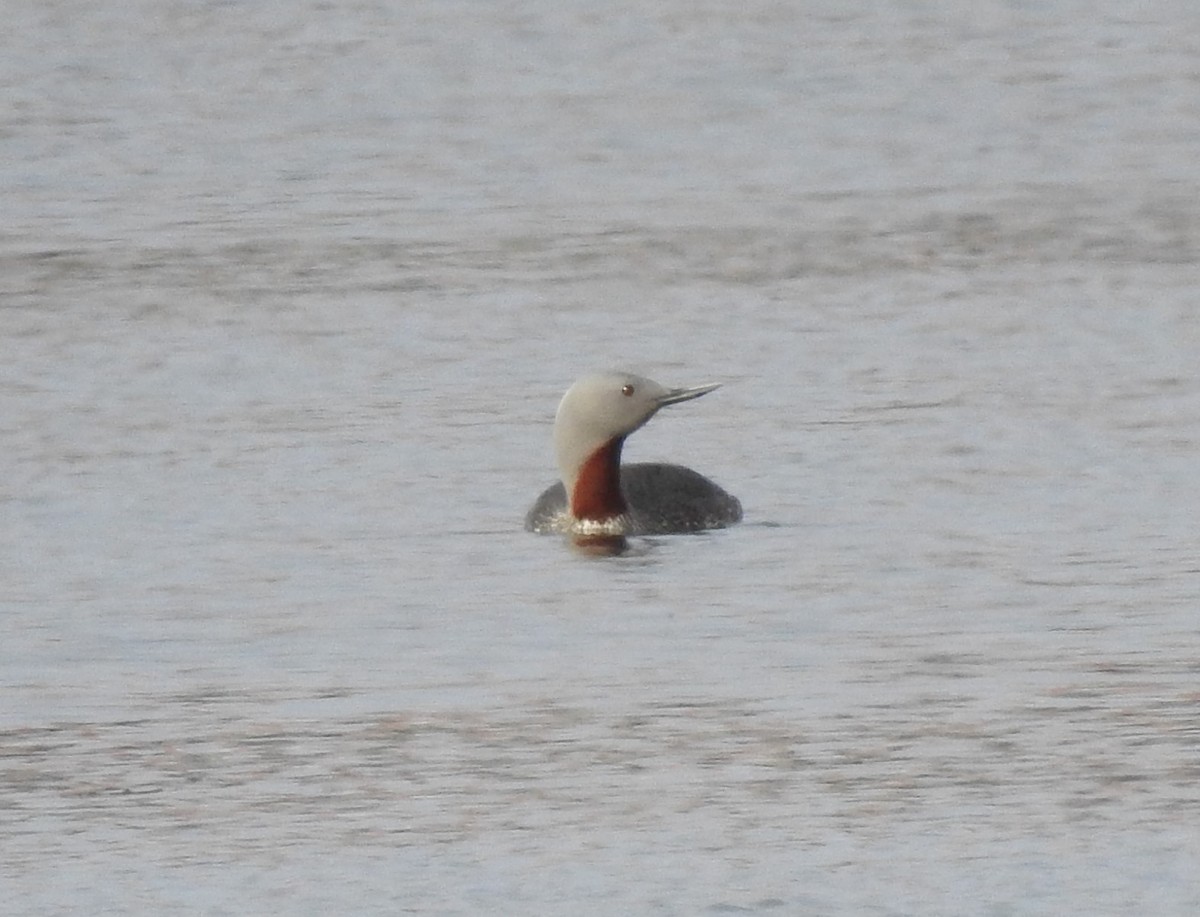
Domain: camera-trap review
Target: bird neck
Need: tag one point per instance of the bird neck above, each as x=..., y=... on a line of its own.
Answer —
x=596, y=492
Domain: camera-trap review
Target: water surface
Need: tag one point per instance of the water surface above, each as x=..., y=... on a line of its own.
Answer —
x=290, y=292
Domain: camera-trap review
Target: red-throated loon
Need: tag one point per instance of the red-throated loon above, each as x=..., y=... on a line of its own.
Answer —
x=608, y=499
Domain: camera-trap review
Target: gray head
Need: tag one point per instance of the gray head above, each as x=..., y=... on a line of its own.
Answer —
x=598, y=409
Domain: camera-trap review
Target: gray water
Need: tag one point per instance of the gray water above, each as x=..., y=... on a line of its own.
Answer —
x=289, y=294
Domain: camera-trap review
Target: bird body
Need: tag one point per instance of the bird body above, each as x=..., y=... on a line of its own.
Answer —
x=598, y=496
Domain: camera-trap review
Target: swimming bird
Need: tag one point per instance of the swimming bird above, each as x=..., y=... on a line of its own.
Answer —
x=608, y=499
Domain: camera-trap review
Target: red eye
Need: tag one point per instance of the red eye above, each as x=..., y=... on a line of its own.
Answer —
x=627, y=390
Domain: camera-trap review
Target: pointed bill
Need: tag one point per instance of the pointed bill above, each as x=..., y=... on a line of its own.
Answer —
x=676, y=395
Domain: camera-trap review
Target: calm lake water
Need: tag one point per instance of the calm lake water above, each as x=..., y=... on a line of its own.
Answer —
x=289, y=294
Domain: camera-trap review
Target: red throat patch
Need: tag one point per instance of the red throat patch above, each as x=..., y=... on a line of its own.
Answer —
x=597, y=494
